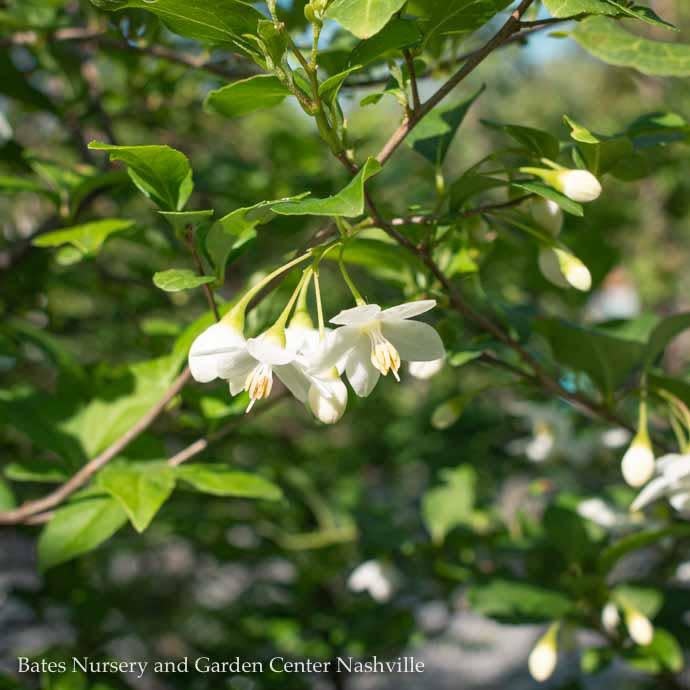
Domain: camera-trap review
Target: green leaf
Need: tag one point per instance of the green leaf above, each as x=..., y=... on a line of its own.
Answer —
x=646, y=600
x=380, y=257
x=87, y=238
x=600, y=153
x=451, y=504
x=220, y=481
x=611, y=43
x=348, y=202
x=639, y=540
x=140, y=489
x=180, y=221
x=449, y=412
x=9, y=183
x=363, y=18
x=162, y=173
x=546, y=192
x=542, y=144
x=7, y=501
x=680, y=389
x=566, y=530
x=517, y=602
x=35, y=471
x=229, y=235
x=397, y=34
x=219, y=22
x=246, y=96
x=442, y=18
x=433, y=135
x=612, y=8
x=329, y=88
x=663, y=655
x=176, y=279
x=607, y=360
x=663, y=334
x=77, y=528
x=469, y=185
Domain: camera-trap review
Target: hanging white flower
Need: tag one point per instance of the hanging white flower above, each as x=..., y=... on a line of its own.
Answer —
x=425, y=370
x=213, y=348
x=327, y=394
x=373, y=341
x=578, y=185
x=672, y=481
x=564, y=269
x=639, y=627
x=610, y=617
x=637, y=465
x=543, y=658
x=375, y=578
x=548, y=214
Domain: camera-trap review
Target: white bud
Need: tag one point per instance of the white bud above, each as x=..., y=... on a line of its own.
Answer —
x=543, y=658
x=578, y=185
x=425, y=370
x=564, y=269
x=639, y=626
x=637, y=465
x=328, y=401
x=548, y=214
x=610, y=618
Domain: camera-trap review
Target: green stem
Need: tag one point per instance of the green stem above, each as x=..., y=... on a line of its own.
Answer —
x=359, y=300
x=319, y=305
x=285, y=314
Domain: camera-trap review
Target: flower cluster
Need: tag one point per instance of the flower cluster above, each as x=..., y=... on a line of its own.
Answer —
x=368, y=342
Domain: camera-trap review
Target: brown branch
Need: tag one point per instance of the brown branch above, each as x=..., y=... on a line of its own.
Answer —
x=191, y=245
x=504, y=34
x=87, y=471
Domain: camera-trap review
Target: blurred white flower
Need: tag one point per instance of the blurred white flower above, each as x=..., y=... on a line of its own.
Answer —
x=373, y=341
x=539, y=447
x=425, y=370
x=373, y=577
x=672, y=481
x=599, y=512
x=639, y=627
x=615, y=438
x=548, y=214
x=543, y=658
x=564, y=269
x=610, y=617
x=637, y=465
x=616, y=298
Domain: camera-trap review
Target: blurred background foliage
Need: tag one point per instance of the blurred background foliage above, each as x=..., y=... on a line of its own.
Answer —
x=467, y=498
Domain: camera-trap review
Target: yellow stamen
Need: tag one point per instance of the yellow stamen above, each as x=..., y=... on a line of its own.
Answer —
x=384, y=356
x=259, y=384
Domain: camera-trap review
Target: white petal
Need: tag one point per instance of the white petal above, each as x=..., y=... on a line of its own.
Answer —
x=212, y=348
x=328, y=407
x=674, y=467
x=336, y=346
x=408, y=309
x=269, y=351
x=550, y=267
x=357, y=315
x=300, y=338
x=361, y=373
x=425, y=370
x=579, y=185
x=295, y=380
x=680, y=501
x=653, y=491
x=237, y=370
x=415, y=341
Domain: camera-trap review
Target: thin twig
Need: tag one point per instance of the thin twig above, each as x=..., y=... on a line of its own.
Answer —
x=191, y=245
x=409, y=61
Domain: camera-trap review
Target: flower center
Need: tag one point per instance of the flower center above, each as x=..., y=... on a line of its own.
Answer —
x=383, y=355
x=259, y=383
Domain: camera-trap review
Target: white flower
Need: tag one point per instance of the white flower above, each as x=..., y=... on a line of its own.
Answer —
x=373, y=341
x=548, y=214
x=373, y=577
x=578, y=185
x=425, y=370
x=564, y=269
x=543, y=658
x=639, y=626
x=610, y=618
x=672, y=480
x=637, y=465
x=251, y=369
x=216, y=346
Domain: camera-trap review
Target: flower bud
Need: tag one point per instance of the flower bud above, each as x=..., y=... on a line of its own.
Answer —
x=639, y=626
x=578, y=185
x=564, y=269
x=425, y=370
x=610, y=618
x=637, y=465
x=328, y=401
x=543, y=658
x=548, y=214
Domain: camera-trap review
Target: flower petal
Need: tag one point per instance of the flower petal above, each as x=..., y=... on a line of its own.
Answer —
x=408, y=309
x=268, y=350
x=415, y=341
x=336, y=345
x=652, y=492
x=357, y=315
x=235, y=370
x=294, y=379
x=212, y=348
x=361, y=373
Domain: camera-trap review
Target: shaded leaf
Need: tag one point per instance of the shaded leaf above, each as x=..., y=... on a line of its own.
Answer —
x=87, y=238
x=542, y=144
x=246, y=96
x=546, y=192
x=176, y=279
x=363, y=18
x=450, y=504
x=220, y=481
